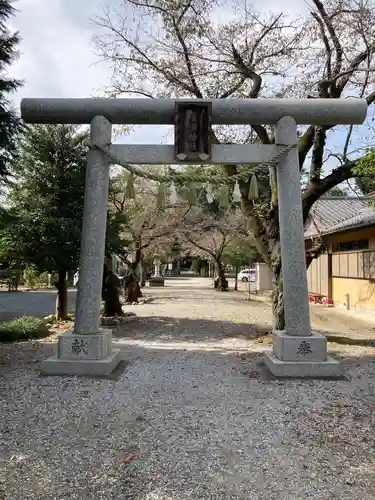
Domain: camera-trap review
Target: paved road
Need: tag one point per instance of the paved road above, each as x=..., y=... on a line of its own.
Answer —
x=35, y=303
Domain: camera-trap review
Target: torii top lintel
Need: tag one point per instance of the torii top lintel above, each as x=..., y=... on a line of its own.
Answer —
x=349, y=111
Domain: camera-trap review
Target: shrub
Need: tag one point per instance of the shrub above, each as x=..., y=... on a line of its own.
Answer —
x=42, y=280
x=31, y=277
x=34, y=279
x=25, y=328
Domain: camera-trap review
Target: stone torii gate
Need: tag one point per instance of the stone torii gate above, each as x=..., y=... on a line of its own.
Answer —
x=297, y=351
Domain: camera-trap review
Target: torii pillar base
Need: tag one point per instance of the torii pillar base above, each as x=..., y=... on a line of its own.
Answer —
x=83, y=355
x=301, y=357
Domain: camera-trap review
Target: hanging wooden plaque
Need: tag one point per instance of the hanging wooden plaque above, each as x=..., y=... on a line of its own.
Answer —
x=192, y=131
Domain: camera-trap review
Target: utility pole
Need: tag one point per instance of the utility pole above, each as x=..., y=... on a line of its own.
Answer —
x=250, y=264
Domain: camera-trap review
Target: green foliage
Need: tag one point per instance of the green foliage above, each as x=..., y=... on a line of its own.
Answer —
x=46, y=202
x=198, y=264
x=31, y=277
x=365, y=170
x=25, y=328
x=239, y=253
x=9, y=121
x=115, y=240
x=34, y=279
x=122, y=210
x=366, y=184
x=366, y=164
x=336, y=191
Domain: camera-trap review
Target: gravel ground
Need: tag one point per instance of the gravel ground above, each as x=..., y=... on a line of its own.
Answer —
x=191, y=417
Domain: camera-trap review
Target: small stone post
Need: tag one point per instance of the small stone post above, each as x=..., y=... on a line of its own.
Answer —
x=88, y=349
x=296, y=351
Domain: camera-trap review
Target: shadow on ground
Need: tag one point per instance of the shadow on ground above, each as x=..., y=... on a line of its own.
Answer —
x=165, y=329
x=185, y=295
x=174, y=335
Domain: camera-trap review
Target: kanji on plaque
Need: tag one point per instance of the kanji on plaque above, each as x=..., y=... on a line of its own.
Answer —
x=304, y=348
x=79, y=346
x=192, y=131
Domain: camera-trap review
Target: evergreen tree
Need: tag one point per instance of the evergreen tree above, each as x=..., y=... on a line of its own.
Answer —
x=9, y=121
x=46, y=203
x=240, y=252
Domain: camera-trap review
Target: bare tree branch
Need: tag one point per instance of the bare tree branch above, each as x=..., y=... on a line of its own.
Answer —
x=332, y=32
x=326, y=44
x=247, y=72
x=359, y=59
x=189, y=68
x=262, y=36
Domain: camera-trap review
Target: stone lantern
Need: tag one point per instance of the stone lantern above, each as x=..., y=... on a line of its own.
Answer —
x=157, y=279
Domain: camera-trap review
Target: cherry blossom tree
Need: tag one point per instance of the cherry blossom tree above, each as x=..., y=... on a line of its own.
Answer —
x=179, y=49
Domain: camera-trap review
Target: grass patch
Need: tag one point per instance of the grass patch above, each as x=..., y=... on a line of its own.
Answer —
x=25, y=328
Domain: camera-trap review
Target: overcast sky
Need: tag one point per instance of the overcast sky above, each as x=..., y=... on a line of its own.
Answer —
x=57, y=57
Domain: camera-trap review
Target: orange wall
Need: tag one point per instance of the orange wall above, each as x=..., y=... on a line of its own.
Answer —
x=361, y=292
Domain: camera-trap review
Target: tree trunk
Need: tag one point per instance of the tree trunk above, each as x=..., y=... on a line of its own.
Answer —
x=131, y=285
x=132, y=289
x=222, y=283
x=176, y=267
x=108, y=262
x=236, y=280
x=62, y=296
x=278, y=291
x=266, y=234
x=278, y=301
x=143, y=277
x=140, y=274
x=137, y=260
x=110, y=294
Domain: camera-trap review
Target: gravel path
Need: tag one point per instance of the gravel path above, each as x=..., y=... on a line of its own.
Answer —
x=192, y=416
